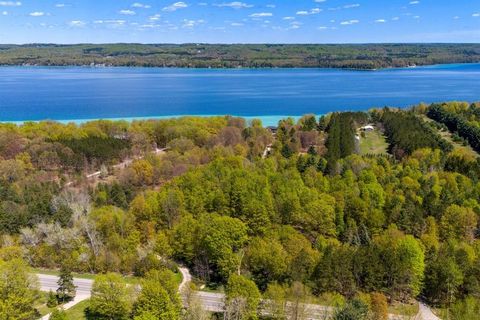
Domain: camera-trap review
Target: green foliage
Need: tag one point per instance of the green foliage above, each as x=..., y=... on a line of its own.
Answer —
x=406, y=133
x=111, y=298
x=353, y=310
x=52, y=301
x=58, y=314
x=456, y=122
x=158, y=298
x=341, y=136
x=66, y=288
x=101, y=149
x=17, y=291
x=242, y=297
x=364, y=56
x=403, y=227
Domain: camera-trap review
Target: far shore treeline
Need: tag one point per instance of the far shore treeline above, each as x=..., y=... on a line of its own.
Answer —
x=349, y=56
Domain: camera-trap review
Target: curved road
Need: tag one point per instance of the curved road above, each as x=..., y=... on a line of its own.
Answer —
x=213, y=302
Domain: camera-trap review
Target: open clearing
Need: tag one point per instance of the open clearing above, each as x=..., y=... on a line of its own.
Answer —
x=374, y=142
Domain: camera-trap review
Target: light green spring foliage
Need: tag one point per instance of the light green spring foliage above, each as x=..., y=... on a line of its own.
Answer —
x=158, y=297
x=111, y=298
x=18, y=291
x=58, y=314
x=241, y=290
x=404, y=227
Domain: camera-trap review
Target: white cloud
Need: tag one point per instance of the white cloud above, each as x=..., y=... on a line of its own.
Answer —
x=175, y=6
x=288, y=18
x=476, y=15
x=5, y=13
x=272, y=6
x=349, y=22
x=414, y=2
x=10, y=3
x=77, y=23
x=37, y=14
x=237, y=24
x=141, y=5
x=155, y=17
x=320, y=1
x=312, y=11
x=192, y=23
x=261, y=15
x=416, y=17
x=350, y=6
x=380, y=21
x=456, y=17
x=60, y=5
x=395, y=18
x=322, y=28
x=127, y=12
x=234, y=5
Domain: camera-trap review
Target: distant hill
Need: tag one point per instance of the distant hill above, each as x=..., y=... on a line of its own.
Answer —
x=355, y=56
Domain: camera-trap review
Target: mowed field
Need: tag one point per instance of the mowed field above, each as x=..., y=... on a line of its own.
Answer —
x=374, y=142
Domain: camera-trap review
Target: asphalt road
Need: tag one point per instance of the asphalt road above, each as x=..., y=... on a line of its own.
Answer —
x=84, y=287
x=211, y=301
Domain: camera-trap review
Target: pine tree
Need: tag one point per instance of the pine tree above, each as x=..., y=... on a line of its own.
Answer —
x=66, y=288
x=52, y=300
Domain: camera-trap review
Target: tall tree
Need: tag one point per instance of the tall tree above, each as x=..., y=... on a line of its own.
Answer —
x=111, y=298
x=17, y=291
x=66, y=288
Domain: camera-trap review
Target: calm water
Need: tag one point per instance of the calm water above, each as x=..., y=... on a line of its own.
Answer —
x=36, y=93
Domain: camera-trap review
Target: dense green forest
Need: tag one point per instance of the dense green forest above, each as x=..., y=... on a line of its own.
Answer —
x=310, y=220
x=361, y=56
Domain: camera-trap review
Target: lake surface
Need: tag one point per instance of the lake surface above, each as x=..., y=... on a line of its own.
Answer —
x=38, y=93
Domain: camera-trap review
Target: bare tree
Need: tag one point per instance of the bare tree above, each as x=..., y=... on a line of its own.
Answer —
x=236, y=308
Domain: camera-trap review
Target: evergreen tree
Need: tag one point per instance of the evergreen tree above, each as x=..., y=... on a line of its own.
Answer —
x=52, y=300
x=66, y=288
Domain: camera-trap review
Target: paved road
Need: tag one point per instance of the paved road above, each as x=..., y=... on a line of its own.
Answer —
x=84, y=287
x=211, y=301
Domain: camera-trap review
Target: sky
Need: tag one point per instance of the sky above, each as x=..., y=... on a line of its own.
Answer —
x=249, y=21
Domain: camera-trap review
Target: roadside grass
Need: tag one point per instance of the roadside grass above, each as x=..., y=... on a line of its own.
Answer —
x=41, y=304
x=409, y=310
x=89, y=276
x=178, y=277
x=77, y=312
x=57, y=272
x=374, y=142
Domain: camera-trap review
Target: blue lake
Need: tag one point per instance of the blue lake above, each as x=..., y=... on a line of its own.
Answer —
x=38, y=93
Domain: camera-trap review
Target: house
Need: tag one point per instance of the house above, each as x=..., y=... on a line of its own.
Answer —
x=272, y=129
x=367, y=128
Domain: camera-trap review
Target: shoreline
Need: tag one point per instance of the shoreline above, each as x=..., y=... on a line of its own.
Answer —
x=101, y=66
x=267, y=120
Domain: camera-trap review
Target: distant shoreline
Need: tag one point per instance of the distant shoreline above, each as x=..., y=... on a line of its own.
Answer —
x=271, y=120
x=373, y=56
x=86, y=67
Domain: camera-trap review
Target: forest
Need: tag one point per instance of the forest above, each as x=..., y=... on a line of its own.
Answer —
x=272, y=219
x=349, y=56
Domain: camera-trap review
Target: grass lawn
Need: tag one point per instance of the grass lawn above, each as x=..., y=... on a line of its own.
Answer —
x=373, y=143
x=90, y=276
x=41, y=304
x=57, y=272
x=77, y=312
